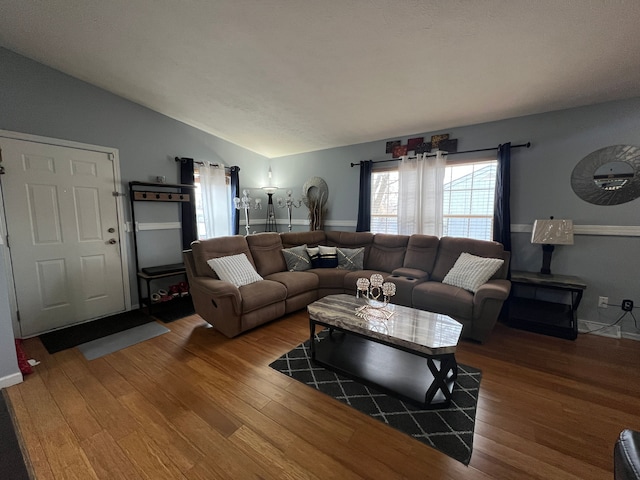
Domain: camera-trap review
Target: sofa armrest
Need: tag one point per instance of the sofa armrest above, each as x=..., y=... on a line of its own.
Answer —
x=221, y=292
x=492, y=290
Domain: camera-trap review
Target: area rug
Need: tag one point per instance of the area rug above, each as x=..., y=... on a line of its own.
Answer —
x=449, y=430
x=12, y=464
x=173, y=310
x=73, y=336
x=112, y=343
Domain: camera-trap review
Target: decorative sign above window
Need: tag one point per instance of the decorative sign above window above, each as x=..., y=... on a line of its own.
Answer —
x=418, y=145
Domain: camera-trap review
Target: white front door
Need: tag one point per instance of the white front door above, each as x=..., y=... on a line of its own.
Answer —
x=63, y=228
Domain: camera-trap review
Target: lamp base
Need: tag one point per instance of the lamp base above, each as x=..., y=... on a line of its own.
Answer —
x=547, y=251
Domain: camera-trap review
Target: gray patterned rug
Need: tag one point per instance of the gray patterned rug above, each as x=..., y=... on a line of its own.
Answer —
x=449, y=430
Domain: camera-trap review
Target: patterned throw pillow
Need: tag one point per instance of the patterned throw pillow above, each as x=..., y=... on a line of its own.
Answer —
x=350, y=258
x=470, y=272
x=236, y=269
x=297, y=258
x=323, y=257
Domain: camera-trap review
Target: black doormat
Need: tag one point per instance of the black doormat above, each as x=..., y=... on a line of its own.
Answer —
x=449, y=430
x=12, y=464
x=85, y=332
x=173, y=310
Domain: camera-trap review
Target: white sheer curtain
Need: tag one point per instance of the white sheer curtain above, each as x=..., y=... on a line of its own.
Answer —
x=215, y=202
x=421, y=194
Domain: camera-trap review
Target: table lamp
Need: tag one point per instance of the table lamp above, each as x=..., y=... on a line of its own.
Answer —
x=550, y=233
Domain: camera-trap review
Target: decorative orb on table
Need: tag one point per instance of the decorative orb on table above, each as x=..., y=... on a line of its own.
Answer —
x=378, y=294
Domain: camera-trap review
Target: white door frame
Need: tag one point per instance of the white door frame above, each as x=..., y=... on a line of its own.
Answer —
x=4, y=250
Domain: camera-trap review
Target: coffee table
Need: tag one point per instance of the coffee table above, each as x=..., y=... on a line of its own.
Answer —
x=410, y=355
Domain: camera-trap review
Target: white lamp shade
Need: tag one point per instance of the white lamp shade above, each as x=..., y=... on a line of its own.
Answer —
x=552, y=232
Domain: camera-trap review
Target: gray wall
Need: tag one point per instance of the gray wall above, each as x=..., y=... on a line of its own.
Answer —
x=38, y=100
x=540, y=188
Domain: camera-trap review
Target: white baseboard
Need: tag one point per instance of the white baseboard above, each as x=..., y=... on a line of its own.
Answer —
x=9, y=380
x=631, y=336
x=602, y=329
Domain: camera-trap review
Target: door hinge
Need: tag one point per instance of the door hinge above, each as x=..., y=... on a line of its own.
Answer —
x=111, y=157
x=18, y=315
x=7, y=241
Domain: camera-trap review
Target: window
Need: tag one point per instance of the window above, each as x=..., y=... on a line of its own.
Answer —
x=467, y=204
x=202, y=223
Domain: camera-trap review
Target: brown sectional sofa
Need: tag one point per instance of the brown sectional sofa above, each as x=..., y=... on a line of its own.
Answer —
x=417, y=264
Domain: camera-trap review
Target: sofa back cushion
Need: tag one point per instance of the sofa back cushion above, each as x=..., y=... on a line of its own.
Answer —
x=312, y=238
x=387, y=252
x=266, y=249
x=204, y=250
x=351, y=240
x=450, y=248
x=421, y=252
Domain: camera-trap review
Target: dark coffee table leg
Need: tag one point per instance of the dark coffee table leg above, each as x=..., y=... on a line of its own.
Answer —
x=440, y=376
x=312, y=338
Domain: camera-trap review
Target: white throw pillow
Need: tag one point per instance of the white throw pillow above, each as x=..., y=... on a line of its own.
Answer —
x=470, y=271
x=236, y=269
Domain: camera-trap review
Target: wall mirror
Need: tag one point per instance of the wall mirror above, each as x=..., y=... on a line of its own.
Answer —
x=608, y=176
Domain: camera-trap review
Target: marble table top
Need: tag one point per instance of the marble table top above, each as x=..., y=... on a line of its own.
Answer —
x=417, y=330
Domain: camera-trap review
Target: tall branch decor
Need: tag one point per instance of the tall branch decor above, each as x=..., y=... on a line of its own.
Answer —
x=315, y=194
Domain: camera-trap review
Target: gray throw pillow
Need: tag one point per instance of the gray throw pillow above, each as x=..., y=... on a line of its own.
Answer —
x=350, y=258
x=297, y=258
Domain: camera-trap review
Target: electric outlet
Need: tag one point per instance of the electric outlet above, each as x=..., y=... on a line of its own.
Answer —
x=627, y=305
x=603, y=302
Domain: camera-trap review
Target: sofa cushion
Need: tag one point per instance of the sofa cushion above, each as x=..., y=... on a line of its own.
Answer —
x=311, y=238
x=297, y=258
x=470, y=272
x=323, y=256
x=235, y=269
x=421, y=252
x=350, y=258
x=204, y=250
x=441, y=298
x=330, y=278
x=295, y=282
x=387, y=252
x=450, y=249
x=262, y=294
x=266, y=249
x=351, y=240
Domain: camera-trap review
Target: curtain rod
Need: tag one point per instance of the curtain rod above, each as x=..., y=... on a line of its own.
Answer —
x=184, y=159
x=527, y=145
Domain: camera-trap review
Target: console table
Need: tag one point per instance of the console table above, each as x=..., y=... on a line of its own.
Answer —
x=551, y=317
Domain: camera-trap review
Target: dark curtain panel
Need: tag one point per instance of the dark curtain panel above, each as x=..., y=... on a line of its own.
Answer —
x=235, y=192
x=189, y=225
x=364, y=205
x=501, y=209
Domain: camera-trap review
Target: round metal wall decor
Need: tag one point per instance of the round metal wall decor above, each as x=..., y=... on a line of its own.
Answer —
x=608, y=176
x=315, y=191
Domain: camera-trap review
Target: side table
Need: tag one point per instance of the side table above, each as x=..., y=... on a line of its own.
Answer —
x=549, y=317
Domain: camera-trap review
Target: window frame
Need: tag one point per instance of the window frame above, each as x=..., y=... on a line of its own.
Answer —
x=445, y=216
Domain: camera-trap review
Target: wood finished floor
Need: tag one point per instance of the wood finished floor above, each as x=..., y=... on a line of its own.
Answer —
x=192, y=404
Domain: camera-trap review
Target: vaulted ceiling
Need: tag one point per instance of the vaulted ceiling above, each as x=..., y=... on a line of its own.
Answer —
x=283, y=76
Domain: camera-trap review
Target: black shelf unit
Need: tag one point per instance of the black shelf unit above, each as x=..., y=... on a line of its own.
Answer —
x=160, y=193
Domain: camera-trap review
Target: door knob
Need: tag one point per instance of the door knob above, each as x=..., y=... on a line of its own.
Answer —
x=112, y=241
